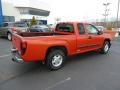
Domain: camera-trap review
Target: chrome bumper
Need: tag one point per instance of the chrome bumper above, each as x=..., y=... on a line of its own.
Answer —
x=15, y=56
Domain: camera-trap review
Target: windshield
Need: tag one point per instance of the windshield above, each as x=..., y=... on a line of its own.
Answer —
x=40, y=28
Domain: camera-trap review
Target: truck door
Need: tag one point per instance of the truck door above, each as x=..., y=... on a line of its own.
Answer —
x=95, y=40
x=82, y=39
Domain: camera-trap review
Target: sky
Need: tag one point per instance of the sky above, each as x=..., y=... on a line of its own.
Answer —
x=79, y=10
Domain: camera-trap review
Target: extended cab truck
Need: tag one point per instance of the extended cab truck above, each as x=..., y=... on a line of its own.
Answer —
x=69, y=38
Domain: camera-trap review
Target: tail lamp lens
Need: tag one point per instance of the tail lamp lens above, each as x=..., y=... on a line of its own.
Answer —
x=23, y=47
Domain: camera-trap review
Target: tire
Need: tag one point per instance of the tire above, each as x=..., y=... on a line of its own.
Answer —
x=55, y=59
x=105, y=48
x=9, y=36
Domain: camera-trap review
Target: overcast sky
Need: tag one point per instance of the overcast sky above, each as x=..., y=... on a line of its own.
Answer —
x=79, y=10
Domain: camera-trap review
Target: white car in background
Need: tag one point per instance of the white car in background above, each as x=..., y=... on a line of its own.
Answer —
x=119, y=31
x=101, y=28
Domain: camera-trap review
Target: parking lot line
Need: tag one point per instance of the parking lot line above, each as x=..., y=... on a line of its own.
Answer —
x=58, y=83
x=4, y=56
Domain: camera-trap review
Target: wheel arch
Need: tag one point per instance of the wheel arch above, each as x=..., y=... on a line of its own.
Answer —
x=107, y=39
x=8, y=32
x=63, y=48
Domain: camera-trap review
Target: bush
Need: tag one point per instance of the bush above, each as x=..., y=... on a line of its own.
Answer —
x=109, y=27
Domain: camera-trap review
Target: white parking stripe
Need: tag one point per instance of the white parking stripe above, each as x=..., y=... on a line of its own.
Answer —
x=58, y=83
x=4, y=55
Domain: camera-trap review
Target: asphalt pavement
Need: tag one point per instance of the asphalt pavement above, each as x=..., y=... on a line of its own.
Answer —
x=89, y=71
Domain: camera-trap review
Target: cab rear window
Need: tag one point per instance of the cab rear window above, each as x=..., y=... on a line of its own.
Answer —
x=65, y=28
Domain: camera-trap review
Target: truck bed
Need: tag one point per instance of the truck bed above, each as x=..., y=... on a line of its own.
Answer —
x=32, y=34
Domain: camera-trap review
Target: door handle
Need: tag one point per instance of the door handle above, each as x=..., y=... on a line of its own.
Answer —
x=89, y=37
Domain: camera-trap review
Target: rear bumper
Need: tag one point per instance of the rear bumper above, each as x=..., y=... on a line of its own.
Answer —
x=15, y=56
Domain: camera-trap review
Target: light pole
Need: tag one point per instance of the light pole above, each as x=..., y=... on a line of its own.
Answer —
x=117, y=19
x=106, y=12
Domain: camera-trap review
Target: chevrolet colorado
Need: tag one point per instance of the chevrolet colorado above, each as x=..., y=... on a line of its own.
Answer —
x=52, y=48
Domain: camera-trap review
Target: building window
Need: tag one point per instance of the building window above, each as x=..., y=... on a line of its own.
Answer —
x=23, y=11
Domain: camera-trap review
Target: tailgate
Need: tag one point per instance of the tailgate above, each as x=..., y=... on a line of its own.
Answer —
x=16, y=41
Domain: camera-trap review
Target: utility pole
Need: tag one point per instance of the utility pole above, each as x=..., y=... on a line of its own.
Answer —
x=117, y=19
x=106, y=12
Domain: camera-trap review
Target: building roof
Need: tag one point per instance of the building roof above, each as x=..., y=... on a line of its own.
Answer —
x=36, y=4
x=33, y=11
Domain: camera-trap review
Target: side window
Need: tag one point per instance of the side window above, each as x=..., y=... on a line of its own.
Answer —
x=81, y=29
x=5, y=25
x=91, y=29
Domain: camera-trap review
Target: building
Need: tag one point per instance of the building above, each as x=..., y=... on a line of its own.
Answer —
x=24, y=11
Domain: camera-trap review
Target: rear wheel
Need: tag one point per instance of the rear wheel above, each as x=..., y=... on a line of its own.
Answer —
x=105, y=48
x=55, y=59
x=9, y=36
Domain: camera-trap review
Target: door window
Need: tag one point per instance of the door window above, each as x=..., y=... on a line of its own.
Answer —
x=91, y=29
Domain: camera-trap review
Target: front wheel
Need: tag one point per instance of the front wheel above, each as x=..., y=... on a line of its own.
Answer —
x=55, y=59
x=105, y=48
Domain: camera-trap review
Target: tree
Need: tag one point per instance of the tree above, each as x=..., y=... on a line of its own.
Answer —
x=33, y=21
x=109, y=27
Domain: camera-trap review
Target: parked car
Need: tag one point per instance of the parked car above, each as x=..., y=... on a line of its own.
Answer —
x=7, y=28
x=118, y=31
x=101, y=28
x=39, y=28
x=52, y=48
x=52, y=26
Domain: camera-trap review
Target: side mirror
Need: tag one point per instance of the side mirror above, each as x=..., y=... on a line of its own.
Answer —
x=100, y=32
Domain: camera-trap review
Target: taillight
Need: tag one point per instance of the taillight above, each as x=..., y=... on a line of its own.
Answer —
x=23, y=47
x=14, y=30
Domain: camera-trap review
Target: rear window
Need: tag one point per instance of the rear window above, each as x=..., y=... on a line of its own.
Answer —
x=65, y=28
x=20, y=24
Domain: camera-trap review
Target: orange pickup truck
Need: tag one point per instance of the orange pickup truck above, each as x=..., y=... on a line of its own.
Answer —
x=68, y=38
